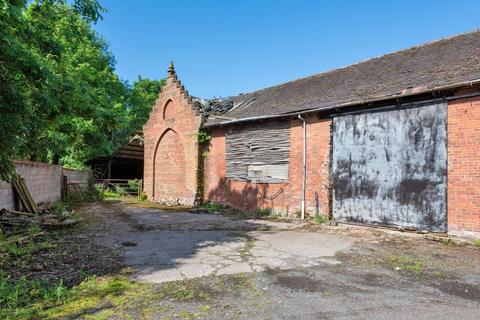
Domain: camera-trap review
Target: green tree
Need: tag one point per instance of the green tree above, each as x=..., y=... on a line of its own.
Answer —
x=29, y=84
x=143, y=94
x=60, y=98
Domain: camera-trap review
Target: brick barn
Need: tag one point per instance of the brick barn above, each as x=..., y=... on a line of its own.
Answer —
x=393, y=140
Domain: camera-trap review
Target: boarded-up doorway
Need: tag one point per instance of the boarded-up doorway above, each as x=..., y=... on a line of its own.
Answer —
x=390, y=167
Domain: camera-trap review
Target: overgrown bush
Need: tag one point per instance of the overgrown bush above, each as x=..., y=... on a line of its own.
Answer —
x=213, y=207
x=319, y=218
x=114, y=193
x=135, y=185
x=110, y=194
x=264, y=212
x=58, y=207
x=143, y=197
x=120, y=191
x=204, y=137
x=92, y=193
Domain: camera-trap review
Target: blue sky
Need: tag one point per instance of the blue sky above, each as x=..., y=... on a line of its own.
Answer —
x=222, y=48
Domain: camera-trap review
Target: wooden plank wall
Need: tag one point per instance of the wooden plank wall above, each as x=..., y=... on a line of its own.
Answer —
x=259, y=152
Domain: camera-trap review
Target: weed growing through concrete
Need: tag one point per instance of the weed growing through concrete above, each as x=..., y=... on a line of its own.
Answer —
x=245, y=252
x=406, y=263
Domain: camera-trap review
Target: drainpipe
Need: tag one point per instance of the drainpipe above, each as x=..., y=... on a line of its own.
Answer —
x=304, y=177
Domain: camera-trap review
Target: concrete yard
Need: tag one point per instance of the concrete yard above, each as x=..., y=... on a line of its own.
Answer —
x=276, y=269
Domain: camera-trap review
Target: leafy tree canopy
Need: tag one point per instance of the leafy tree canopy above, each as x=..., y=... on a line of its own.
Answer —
x=60, y=98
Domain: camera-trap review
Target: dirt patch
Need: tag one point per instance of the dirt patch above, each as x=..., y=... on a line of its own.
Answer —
x=371, y=279
x=459, y=289
x=69, y=255
x=301, y=283
x=414, y=255
x=133, y=202
x=66, y=257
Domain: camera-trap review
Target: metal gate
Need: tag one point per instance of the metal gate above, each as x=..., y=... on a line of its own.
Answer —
x=390, y=167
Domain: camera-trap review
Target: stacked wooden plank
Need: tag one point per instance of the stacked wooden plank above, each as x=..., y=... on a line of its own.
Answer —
x=26, y=200
x=32, y=213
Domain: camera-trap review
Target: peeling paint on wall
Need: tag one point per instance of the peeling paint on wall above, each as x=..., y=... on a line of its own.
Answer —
x=390, y=167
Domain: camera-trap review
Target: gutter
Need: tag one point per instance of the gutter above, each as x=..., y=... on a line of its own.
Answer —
x=351, y=104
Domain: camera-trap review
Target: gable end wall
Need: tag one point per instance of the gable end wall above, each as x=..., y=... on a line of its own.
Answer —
x=183, y=122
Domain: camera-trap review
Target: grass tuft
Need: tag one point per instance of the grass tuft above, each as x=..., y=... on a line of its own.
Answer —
x=406, y=263
x=319, y=218
x=214, y=207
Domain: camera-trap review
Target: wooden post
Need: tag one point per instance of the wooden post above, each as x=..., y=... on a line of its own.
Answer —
x=64, y=187
x=109, y=168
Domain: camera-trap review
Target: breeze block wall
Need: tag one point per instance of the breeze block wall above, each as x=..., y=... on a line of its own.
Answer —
x=80, y=177
x=44, y=181
x=284, y=198
x=171, y=145
x=464, y=167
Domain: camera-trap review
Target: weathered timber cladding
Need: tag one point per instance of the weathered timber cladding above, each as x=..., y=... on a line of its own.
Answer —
x=390, y=167
x=258, y=152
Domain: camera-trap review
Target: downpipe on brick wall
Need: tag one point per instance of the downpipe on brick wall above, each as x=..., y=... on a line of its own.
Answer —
x=304, y=177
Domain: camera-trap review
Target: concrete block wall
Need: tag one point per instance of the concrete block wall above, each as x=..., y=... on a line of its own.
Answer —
x=281, y=197
x=81, y=177
x=44, y=182
x=6, y=196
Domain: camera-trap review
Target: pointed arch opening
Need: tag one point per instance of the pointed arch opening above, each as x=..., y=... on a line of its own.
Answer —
x=169, y=109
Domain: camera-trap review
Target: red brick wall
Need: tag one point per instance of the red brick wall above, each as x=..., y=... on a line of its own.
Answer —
x=171, y=162
x=171, y=146
x=464, y=166
x=282, y=197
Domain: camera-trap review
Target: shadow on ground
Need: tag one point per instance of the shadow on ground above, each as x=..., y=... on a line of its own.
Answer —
x=163, y=246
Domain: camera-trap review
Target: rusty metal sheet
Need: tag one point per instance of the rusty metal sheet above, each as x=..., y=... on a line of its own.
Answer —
x=390, y=167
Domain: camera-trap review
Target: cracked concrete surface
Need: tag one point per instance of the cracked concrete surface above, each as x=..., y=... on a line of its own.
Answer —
x=375, y=274
x=168, y=246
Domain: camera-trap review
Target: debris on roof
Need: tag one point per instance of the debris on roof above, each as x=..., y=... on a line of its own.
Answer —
x=216, y=106
x=430, y=67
